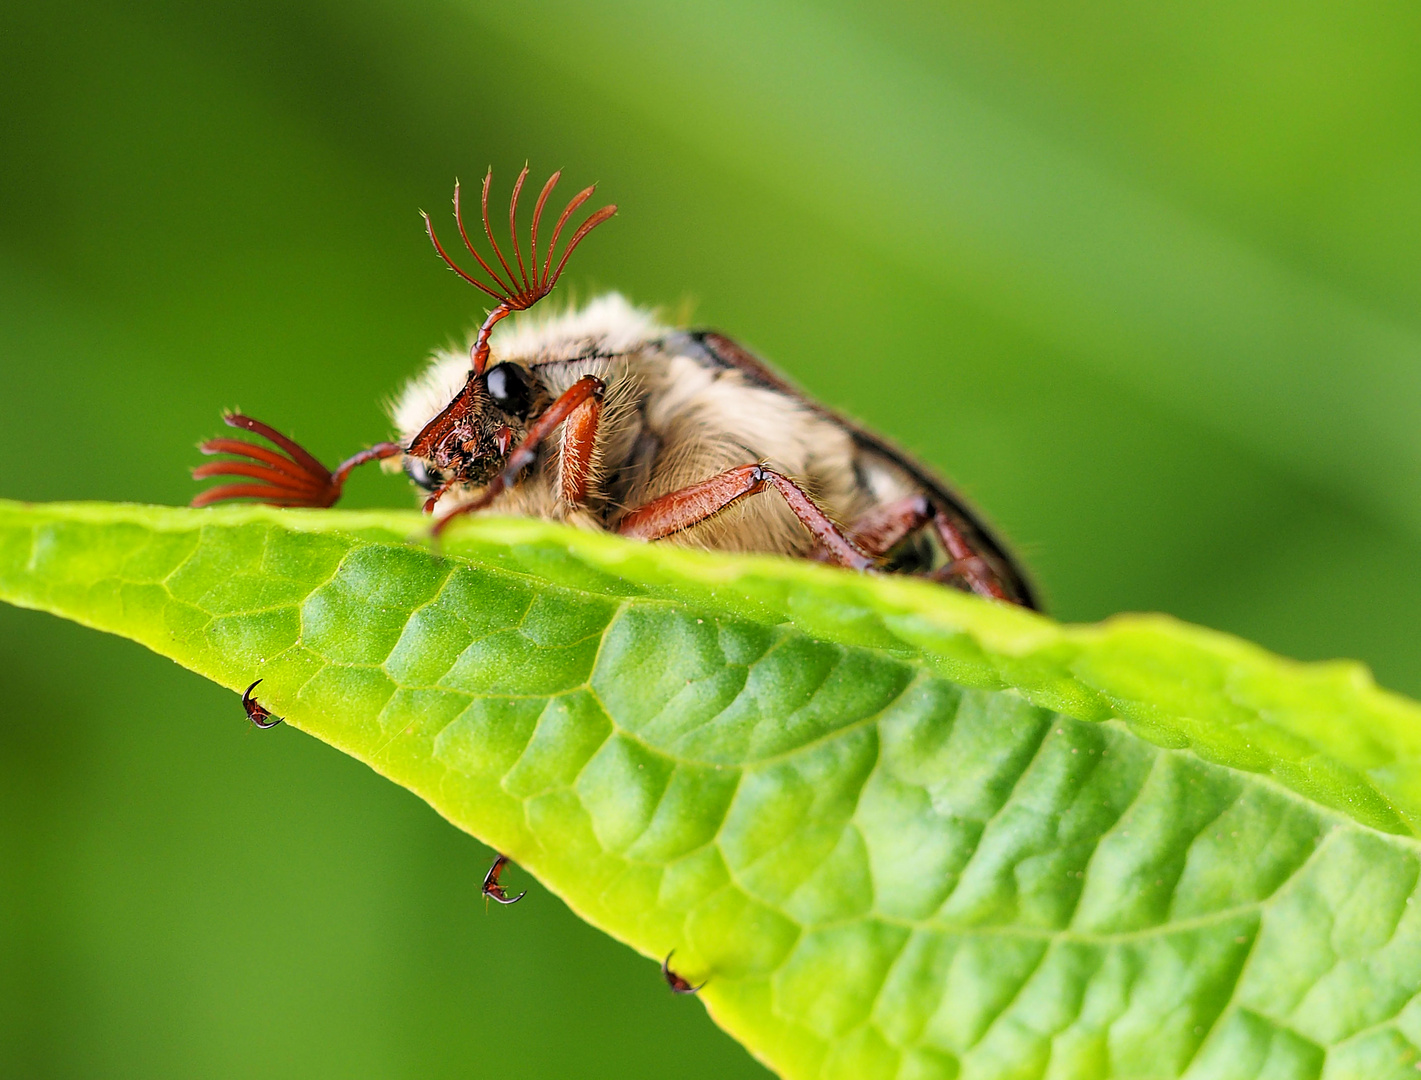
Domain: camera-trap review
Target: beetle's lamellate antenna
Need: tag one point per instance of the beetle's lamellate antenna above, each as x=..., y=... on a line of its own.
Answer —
x=289, y=478
x=531, y=282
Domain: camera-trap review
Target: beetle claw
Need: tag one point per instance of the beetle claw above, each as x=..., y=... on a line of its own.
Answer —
x=257, y=713
x=493, y=890
x=679, y=984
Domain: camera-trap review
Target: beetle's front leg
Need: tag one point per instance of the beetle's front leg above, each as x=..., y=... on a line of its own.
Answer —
x=579, y=441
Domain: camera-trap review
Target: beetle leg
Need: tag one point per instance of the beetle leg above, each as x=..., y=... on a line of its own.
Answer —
x=493, y=890
x=679, y=983
x=258, y=713
x=437, y=494
x=579, y=439
x=587, y=388
x=880, y=530
x=966, y=565
x=678, y=510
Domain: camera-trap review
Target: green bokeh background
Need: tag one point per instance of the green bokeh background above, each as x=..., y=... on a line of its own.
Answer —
x=1142, y=279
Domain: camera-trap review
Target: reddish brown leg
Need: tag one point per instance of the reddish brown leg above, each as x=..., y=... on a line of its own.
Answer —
x=587, y=388
x=579, y=437
x=966, y=564
x=883, y=528
x=258, y=713
x=679, y=983
x=294, y=478
x=438, y=493
x=493, y=889
x=678, y=510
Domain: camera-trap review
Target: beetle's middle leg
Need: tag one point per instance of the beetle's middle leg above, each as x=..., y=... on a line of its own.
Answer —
x=679, y=510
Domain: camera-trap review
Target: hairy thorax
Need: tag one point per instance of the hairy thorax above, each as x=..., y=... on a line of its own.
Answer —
x=670, y=418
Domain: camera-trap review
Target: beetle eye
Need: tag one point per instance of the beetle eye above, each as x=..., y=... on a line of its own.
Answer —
x=508, y=386
x=420, y=473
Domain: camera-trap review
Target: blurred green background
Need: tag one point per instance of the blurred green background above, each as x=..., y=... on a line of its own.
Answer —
x=1142, y=279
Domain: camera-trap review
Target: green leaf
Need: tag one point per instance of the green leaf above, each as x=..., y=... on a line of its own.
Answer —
x=903, y=832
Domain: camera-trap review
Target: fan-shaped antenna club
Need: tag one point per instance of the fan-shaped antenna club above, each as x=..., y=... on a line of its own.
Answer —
x=530, y=282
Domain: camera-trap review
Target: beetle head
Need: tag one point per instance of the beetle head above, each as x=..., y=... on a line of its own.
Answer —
x=470, y=441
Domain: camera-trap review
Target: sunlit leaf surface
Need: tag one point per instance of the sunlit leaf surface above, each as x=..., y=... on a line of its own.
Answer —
x=903, y=833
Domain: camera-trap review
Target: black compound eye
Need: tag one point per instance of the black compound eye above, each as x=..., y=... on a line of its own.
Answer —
x=422, y=474
x=508, y=386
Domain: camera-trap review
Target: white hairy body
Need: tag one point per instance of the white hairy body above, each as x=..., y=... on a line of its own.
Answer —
x=603, y=418
x=671, y=417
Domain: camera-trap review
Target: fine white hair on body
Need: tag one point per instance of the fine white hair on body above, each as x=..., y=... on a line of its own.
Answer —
x=712, y=419
x=606, y=325
x=701, y=419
